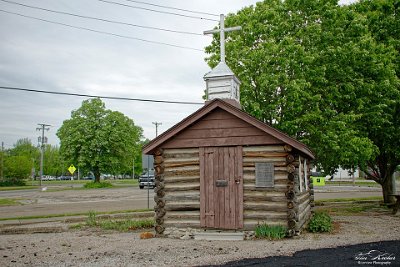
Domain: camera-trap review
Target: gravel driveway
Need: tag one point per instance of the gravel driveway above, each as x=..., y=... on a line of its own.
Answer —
x=100, y=248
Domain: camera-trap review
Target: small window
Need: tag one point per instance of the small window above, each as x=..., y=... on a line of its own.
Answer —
x=264, y=174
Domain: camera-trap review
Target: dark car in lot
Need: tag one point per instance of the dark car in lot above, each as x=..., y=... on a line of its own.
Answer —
x=65, y=178
x=147, y=179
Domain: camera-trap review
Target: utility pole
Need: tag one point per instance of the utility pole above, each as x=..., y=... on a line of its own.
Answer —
x=157, y=124
x=42, y=141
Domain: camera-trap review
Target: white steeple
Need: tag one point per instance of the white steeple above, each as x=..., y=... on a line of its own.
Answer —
x=221, y=82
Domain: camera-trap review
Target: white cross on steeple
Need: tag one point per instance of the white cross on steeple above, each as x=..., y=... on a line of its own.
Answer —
x=222, y=31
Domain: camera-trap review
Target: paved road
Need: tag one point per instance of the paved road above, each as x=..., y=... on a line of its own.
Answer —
x=385, y=253
x=37, y=203
x=75, y=201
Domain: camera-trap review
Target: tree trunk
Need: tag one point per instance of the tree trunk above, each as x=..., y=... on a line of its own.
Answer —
x=387, y=189
x=96, y=173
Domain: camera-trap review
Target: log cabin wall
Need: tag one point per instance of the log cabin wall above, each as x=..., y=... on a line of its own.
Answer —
x=300, y=211
x=177, y=189
x=264, y=204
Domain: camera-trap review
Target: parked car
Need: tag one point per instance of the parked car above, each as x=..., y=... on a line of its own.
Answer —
x=65, y=178
x=147, y=179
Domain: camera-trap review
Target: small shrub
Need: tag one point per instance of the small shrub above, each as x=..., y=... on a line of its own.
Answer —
x=320, y=222
x=91, y=220
x=92, y=185
x=270, y=231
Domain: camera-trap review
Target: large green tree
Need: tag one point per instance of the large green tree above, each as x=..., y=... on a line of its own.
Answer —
x=313, y=69
x=98, y=139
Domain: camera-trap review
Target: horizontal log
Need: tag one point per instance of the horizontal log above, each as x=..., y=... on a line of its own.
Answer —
x=265, y=216
x=273, y=148
x=274, y=160
x=183, y=215
x=180, y=224
x=263, y=193
x=186, y=206
x=194, y=163
x=181, y=187
x=301, y=197
x=182, y=179
x=251, y=165
x=275, y=206
x=252, y=176
x=303, y=220
x=172, y=152
x=277, y=187
x=182, y=172
x=183, y=196
x=303, y=207
x=255, y=198
x=264, y=154
x=182, y=158
x=304, y=212
x=277, y=183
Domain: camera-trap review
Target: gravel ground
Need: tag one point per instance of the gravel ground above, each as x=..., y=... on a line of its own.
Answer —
x=100, y=248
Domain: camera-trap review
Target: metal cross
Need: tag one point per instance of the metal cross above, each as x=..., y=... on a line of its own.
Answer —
x=222, y=31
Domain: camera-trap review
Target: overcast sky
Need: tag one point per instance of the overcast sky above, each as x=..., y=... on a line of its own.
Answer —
x=43, y=56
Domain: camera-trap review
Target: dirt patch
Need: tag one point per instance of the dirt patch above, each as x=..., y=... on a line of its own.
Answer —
x=108, y=248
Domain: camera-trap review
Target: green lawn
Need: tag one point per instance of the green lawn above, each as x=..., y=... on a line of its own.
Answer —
x=8, y=202
x=35, y=184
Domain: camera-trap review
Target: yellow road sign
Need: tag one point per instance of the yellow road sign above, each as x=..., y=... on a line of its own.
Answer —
x=72, y=169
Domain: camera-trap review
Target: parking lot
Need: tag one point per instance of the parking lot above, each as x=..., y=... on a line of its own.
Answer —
x=35, y=202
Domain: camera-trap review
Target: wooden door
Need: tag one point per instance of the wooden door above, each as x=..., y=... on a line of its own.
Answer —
x=221, y=187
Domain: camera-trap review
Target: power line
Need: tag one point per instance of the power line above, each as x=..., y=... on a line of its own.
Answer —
x=102, y=32
x=97, y=96
x=100, y=19
x=158, y=11
x=174, y=8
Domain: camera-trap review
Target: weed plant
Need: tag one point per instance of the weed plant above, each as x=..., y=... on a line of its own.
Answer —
x=94, y=185
x=271, y=232
x=320, y=222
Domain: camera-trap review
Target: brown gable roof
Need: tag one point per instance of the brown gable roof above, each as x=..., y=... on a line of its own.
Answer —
x=213, y=105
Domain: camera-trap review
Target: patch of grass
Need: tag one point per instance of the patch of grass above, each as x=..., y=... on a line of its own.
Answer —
x=355, y=200
x=320, y=222
x=125, y=181
x=76, y=226
x=8, y=202
x=271, y=232
x=118, y=225
x=94, y=185
x=91, y=220
x=357, y=183
x=348, y=209
x=10, y=188
x=70, y=214
x=126, y=225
